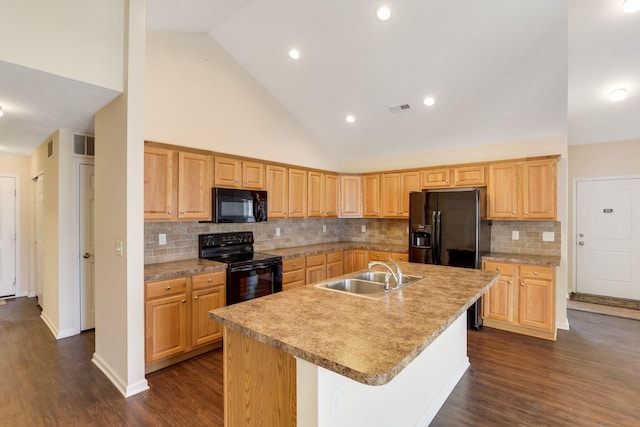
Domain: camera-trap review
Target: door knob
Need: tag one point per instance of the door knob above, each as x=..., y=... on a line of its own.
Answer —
x=581, y=243
x=580, y=235
x=86, y=255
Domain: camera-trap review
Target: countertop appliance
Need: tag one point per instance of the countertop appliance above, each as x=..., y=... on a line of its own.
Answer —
x=249, y=274
x=449, y=227
x=234, y=205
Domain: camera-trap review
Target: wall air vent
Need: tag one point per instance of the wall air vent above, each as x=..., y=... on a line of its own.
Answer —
x=83, y=145
x=399, y=108
x=50, y=149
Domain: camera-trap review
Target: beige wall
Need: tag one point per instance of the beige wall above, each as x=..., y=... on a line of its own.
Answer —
x=608, y=159
x=196, y=95
x=78, y=39
x=19, y=166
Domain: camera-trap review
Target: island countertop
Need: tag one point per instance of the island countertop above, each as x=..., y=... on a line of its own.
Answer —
x=367, y=340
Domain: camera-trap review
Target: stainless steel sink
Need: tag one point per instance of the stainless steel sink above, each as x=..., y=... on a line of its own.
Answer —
x=360, y=287
x=381, y=277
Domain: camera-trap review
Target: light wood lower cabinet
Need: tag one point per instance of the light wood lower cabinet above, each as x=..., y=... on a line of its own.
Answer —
x=293, y=273
x=522, y=301
x=177, y=324
x=316, y=268
x=335, y=264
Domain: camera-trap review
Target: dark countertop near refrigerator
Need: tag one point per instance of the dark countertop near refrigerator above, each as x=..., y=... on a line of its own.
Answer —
x=298, y=251
x=546, y=260
x=367, y=340
x=170, y=270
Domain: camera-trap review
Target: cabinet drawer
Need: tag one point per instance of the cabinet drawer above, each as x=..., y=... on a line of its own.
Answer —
x=314, y=260
x=292, y=285
x=209, y=279
x=378, y=256
x=292, y=264
x=397, y=256
x=292, y=276
x=335, y=256
x=536, y=272
x=505, y=269
x=166, y=287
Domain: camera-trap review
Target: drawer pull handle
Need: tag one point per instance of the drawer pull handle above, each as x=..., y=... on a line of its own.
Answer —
x=209, y=279
x=184, y=300
x=510, y=282
x=196, y=297
x=521, y=283
x=498, y=268
x=168, y=288
x=535, y=272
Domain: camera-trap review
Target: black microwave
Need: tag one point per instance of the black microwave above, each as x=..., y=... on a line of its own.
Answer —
x=235, y=205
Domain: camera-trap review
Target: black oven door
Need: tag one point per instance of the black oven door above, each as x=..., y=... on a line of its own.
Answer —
x=249, y=281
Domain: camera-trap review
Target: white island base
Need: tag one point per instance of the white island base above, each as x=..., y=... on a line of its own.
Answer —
x=412, y=398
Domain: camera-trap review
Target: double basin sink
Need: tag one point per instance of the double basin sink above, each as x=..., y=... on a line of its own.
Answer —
x=369, y=284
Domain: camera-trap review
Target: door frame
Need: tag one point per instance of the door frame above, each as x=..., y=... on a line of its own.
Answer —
x=20, y=292
x=574, y=220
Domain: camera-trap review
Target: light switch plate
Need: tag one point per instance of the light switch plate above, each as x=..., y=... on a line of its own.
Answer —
x=548, y=236
x=324, y=228
x=162, y=239
x=364, y=228
x=277, y=231
x=119, y=247
x=515, y=235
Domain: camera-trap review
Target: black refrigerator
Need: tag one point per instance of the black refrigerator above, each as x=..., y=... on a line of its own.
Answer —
x=449, y=227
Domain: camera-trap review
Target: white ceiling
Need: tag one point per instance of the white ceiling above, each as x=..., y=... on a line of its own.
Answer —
x=500, y=70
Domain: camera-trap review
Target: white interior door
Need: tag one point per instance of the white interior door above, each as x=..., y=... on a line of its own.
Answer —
x=39, y=244
x=87, y=248
x=7, y=236
x=608, y=237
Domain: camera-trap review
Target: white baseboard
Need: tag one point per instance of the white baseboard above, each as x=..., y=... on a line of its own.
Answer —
x=58, y=334
x=126, y=390
x=444, y=394
x=564, y=325
x=31, y=294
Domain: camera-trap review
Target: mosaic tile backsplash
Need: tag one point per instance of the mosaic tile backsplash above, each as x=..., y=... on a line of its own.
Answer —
x=182, y=237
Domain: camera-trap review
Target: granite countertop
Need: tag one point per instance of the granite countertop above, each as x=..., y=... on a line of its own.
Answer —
x=367, y=340
x=170, y=270
x=545, y=260
x=331, y=247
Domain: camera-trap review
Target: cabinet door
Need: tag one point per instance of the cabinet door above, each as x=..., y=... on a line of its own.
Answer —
x=316, y=274
x=502, y=191
x=409, y=181
x=335, y=269
x=348, y=261
x=536, y=307
x=435, y=178
x=539, y=189
x=277, y=199
x=371, y=195
x=297, y=193
x=469, y=176
x=498, y=302
x=159, y=184
x=203, y=329
x=227, y=172
x=253, y=175
x=360, y=259
x=166, y=327
x=330, y=195
x=350, y=196
x=315, y=194
x=390, y=195
x=194, y=186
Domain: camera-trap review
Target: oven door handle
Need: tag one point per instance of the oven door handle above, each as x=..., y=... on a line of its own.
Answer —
x=250, y=267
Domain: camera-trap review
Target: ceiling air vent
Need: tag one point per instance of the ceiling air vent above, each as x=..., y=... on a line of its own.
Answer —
x=399, y=108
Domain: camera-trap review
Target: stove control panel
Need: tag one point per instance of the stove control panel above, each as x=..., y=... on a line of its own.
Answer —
x=216, y=240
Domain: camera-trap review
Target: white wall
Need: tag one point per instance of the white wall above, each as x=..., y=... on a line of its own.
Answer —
x=119, y=280
x=196, y=95
x=78, y=39
x=20, y=167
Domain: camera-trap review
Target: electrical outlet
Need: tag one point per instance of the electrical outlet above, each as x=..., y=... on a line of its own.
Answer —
x=515, y=235
x=162, y=239
x=548, y=236
x=364, y=228
x=277, y=231
x=324, y=228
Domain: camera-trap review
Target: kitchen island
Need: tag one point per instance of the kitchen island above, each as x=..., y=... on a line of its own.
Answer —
x=317, y=357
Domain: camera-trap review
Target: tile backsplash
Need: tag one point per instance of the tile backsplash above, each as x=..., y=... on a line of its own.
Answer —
x=182, y=237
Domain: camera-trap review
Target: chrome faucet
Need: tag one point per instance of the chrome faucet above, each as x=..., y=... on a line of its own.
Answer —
x=397, y=275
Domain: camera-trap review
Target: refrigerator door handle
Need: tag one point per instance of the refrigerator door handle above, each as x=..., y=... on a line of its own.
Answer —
x=434, y=245
x=439, y=236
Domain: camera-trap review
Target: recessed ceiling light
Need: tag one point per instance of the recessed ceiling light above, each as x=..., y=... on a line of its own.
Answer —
x=294, y=54
x=429, y=101
x=631, y=6
x=383, y=13
x=1, y=112
x=350, y=119
x=618, y=95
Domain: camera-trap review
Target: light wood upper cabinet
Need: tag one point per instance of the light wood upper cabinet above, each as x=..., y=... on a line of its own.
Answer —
x=350, y=196
x=395, y=193
x=277, y=190
x=235, y=173
x=371, y=195
x=461, y=176
x=159, y=183
x=297, y=193
x=322, y=194
x=177, y=185
x=523, y=190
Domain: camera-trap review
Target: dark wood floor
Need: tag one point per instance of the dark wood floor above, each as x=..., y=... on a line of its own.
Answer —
x=590, y=376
